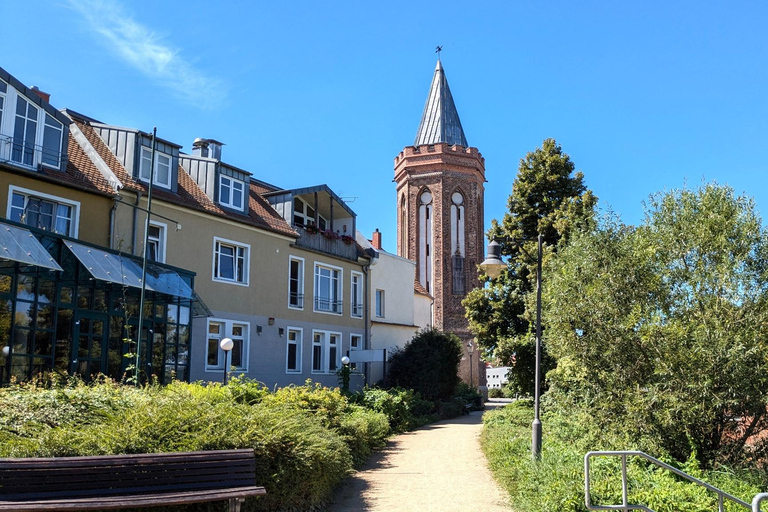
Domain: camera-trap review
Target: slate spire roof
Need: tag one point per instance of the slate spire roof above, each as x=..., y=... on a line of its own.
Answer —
x=440, y=120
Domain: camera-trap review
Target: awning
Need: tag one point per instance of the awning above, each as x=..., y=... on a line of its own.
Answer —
x=122, y=270
x=18, y=244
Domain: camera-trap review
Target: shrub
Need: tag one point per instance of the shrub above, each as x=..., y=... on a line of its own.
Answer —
x=495, y=393
x=404, y=408
x=429, y=364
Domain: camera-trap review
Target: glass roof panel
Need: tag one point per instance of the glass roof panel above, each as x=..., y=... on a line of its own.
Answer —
x=18, y=244
x=107, y=266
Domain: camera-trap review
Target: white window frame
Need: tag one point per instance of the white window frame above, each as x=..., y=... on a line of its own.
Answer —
x=160, y=241
x=227, y=333
x=299, y=342
x=380, y=301
x=217, y=242
x=339, y=298
x=300, y=284
x=75, y=205
x=306, y=218
x=142, y=168
x=232, y=182
x=8, y=127
x=356, y=295
x=325, y=346
x=352, y=347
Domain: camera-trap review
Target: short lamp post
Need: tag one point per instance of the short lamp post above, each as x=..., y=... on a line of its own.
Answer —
x=226, y=345
x=470, y=351
x=344, y=373
x=492, y=266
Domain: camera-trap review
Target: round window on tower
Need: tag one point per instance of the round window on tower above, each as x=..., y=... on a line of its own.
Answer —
x=457, y=198
x=426, y=197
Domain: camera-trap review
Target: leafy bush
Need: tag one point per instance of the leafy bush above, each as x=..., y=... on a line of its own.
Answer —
x=404, y=407
x=428, y=364
x=666, y=340
x=495, y=393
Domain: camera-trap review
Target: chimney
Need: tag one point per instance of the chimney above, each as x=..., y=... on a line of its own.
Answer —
x=376, y=241
x=43, y=95
x=208, y=148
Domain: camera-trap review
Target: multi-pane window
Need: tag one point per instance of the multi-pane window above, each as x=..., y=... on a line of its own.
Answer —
x=36, y=136
x=296, y=283
x=156, y=242
x=238, y=333
x=304, y=215
x=356, y=295
x=162, y=175
x=328, y=289
x=3, y=90
x=230, y=261
x=46, y=212
x=293, y=351
x=355, y=343
x=380, y=303
x=326, y=351
x=24, y=132
x=52, y=139
x=231, y=192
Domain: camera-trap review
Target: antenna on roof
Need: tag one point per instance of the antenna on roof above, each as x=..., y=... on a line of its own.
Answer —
x=438, y=49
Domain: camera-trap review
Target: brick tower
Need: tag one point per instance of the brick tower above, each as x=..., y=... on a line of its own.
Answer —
x=440, y=185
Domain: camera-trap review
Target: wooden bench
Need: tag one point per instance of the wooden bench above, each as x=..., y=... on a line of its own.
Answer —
x=111, y=482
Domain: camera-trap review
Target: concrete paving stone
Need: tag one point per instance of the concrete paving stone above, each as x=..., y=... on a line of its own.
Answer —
x=438, y=468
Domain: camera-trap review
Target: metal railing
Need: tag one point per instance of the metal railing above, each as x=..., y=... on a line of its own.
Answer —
x=321, y=243
x=757, y=500
x=26, y=154
x=625, y=505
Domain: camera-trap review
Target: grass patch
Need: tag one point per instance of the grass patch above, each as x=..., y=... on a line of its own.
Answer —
x=556, y=482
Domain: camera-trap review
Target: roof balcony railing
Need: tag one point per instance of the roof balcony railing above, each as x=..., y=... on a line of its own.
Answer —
x=327, y=242
x=27, y=154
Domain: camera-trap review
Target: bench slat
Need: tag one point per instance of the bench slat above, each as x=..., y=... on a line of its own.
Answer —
x=120, y=481
x=147, y=500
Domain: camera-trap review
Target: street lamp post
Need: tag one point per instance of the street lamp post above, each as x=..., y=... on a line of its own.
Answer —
x=470, y=351
x=226, y=345
x=493, y=265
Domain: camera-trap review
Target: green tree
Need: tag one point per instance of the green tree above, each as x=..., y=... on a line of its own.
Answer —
x=548, y=197
x=429, y=364
x=659, y=330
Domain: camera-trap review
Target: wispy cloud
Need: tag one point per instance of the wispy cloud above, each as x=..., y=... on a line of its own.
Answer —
x=144, y=50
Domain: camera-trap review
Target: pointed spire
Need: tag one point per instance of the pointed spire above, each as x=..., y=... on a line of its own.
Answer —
x=440, y=120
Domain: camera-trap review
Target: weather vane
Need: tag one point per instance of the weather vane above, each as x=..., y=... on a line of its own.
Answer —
x=438, y=49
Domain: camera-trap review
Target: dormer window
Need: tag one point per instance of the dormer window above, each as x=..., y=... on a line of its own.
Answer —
x=24, y=132
x=29, y=135
x=162, y=175
x=231, y=192
x=304, y=215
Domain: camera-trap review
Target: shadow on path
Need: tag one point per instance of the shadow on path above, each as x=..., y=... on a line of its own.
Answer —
x=439, y=467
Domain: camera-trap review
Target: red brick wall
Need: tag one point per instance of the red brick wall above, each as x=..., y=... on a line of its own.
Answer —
x=444, y=169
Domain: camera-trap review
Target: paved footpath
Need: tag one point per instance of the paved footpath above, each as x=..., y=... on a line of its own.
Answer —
x=439, y=467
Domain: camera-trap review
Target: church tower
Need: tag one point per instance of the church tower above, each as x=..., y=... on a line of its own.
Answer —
x=440, y=185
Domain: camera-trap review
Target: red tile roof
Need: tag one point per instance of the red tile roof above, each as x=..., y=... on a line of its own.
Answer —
x=190, y=195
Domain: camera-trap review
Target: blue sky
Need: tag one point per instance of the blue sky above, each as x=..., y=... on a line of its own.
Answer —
x=644, y=96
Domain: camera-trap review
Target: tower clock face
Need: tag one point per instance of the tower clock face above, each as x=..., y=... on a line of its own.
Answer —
x=457, y=198
x=426, y=198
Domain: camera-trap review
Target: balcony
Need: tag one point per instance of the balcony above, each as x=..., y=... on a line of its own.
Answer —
x=26, y=154
x=327, y=242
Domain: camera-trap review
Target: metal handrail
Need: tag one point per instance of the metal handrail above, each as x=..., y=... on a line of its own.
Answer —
x=625, y=506
x=759, y=498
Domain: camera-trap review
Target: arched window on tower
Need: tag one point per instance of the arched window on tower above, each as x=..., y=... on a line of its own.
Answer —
x=403, y=228
x=457, y=242
x=425, y=240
